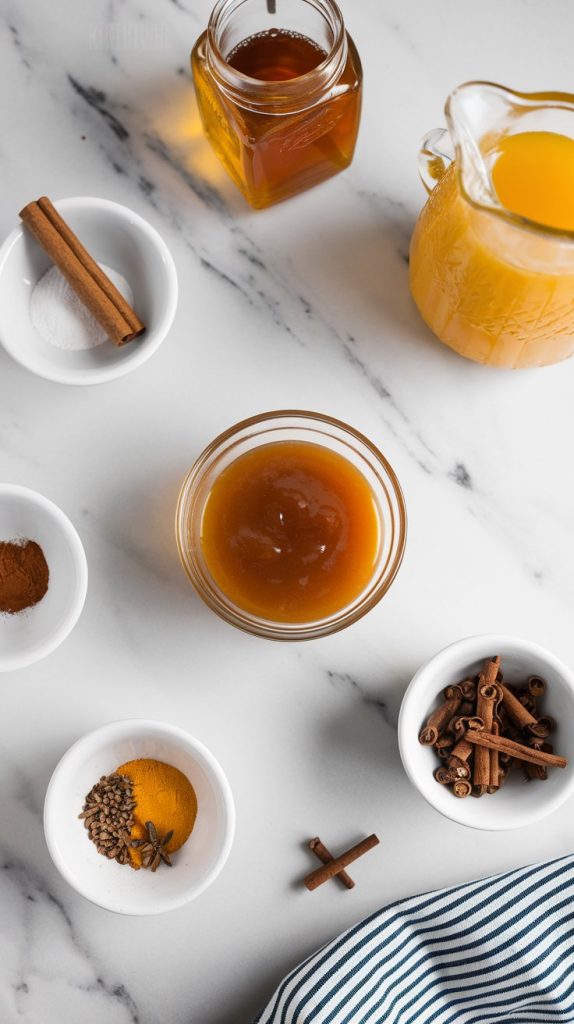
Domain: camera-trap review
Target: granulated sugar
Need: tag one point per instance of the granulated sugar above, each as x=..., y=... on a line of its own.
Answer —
x=61, y=317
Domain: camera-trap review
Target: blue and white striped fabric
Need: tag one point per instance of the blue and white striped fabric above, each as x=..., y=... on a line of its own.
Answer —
x=496, y=951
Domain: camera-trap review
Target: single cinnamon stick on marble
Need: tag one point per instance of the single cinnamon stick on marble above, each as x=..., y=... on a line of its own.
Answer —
x=82, y=272
x=321, y=851
x=316, y=878
x=517, y=750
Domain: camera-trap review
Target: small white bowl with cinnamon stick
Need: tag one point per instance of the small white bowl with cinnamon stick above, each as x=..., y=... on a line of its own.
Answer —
x=88, y=290
x=486, y=732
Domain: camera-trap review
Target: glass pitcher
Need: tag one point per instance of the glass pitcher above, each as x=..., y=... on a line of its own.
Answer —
x=493, y=284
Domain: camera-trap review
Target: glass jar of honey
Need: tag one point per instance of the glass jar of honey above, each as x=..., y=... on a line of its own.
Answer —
x=291, y=525
x=278, y=85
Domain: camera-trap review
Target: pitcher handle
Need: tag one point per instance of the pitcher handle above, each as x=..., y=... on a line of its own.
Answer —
x=435, y=156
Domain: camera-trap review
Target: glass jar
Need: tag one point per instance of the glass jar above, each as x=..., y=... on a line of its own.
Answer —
x=278, y=136
x=292, y=426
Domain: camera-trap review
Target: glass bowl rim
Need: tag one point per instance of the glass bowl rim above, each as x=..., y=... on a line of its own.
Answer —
x=267, y=628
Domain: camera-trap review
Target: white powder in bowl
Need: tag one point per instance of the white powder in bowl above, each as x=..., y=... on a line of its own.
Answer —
x=61, y=317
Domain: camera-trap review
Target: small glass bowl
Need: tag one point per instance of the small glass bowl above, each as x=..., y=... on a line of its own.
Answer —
x=291, y=425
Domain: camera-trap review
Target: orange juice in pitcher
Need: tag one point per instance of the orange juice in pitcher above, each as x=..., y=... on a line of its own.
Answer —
x=492, y=254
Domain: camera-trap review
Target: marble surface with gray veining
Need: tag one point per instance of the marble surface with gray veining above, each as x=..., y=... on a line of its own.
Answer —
x=304, y=305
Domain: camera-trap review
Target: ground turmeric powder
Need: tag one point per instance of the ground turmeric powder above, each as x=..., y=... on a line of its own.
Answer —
x=163, y=795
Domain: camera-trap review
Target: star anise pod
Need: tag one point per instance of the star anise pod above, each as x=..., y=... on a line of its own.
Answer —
x=153, y=848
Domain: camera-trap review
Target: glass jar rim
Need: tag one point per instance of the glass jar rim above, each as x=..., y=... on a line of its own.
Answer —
x=384, y=574
x=261, y=94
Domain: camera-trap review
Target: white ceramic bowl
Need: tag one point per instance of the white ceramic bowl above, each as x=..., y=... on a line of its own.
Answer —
x=518, y=802
x=115, y=887
x=32, y=634
x=117, y=237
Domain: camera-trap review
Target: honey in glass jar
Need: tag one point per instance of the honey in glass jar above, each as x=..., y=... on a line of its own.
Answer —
x=278, y=85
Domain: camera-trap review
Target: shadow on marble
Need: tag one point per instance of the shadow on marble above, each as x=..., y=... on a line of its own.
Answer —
x=362, y=742
x=368, y=260
x=163, y=116
x=139, y=531
x=22, y=790
x=381, y=695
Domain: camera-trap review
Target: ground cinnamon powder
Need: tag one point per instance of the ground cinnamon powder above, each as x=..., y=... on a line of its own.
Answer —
x=24, y=575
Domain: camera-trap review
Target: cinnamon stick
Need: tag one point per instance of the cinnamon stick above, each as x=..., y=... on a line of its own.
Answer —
x=468, y=689
x=462, y=750
x=517, y=750
x=456, y=770
x=543, y=727
x=490, y=671
x=316, y=878
x=321, y=851
x=528, y=701
x=459, y=724
x=537, y=771
x=488, y=694
x=444, y=745
x=515, y=710
x=437, y=722
x=494, y=778
x=82, y=272
x=536, y=686
x=462, y=788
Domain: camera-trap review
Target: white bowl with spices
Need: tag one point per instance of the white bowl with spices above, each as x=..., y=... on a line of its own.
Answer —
x=118, y=887
x=56, y=576
x=517, y=803
x=45, y=328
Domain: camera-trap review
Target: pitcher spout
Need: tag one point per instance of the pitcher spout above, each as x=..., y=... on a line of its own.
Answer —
x=480, y=114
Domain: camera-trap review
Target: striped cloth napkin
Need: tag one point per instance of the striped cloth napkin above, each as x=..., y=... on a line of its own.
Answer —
x=496, y=951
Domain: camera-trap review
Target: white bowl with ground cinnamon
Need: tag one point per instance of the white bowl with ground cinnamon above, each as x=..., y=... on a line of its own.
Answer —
x=527, y=766
x=43, y=576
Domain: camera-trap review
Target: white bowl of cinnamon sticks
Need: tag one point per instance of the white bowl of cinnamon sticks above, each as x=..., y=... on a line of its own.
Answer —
x=490, y=718
x=88, y=290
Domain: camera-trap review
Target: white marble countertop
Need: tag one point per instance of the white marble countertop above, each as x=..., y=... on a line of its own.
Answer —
x=305, y=305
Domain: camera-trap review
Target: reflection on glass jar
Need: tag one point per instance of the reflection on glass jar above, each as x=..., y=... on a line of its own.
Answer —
x=279, y=93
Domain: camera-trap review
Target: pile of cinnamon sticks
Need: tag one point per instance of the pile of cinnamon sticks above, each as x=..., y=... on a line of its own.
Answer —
x=484, y=727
